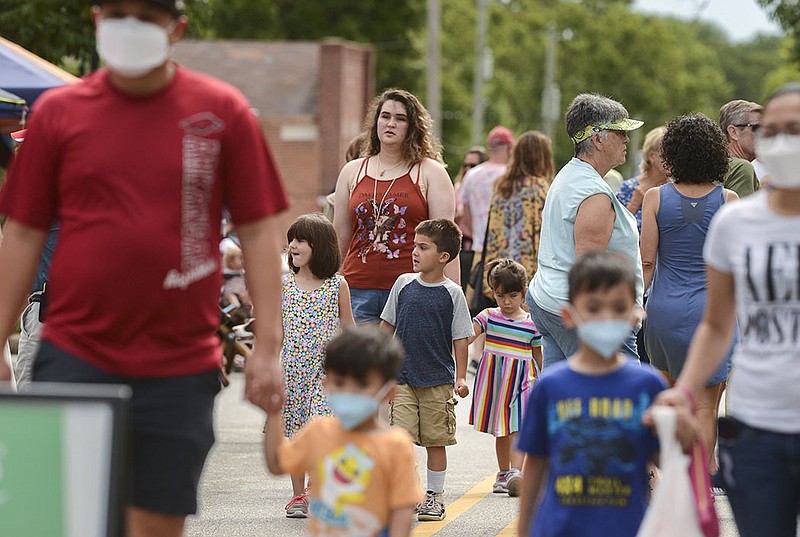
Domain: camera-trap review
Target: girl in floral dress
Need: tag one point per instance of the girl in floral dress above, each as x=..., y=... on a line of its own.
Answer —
x=316, y=303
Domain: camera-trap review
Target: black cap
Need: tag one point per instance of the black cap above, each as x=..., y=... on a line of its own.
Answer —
x=173, y=6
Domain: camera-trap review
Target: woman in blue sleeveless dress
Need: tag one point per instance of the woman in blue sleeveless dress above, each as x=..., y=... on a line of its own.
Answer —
x=675, y=220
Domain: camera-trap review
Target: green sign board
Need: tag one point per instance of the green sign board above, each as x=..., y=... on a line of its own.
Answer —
x=31, y=470
x=63, y=463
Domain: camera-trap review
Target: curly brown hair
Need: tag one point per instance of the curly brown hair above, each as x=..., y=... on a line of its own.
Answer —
x=532, y=157
x=420, y=141
x=694, y=150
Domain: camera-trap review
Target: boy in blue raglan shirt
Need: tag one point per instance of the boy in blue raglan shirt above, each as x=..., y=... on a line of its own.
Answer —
x=588, y=451
x=428, y=313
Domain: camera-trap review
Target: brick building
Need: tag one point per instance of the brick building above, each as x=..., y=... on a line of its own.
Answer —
x=311, y=98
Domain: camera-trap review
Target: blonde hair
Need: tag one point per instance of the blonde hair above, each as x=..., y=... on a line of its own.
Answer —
x=652, y=144
x=230, y=253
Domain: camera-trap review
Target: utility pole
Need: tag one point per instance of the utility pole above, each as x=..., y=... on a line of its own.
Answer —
x=434, y=89
x=551, y=95
x=480, y=74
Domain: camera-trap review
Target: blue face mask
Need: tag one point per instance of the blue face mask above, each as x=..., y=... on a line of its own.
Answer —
x=604, y=336
x=353, y=409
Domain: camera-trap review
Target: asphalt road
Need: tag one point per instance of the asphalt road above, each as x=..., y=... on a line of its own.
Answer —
x=239, y=498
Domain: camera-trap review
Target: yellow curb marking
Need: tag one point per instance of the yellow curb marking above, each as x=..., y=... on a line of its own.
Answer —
x=509, y=530
x=461, y=505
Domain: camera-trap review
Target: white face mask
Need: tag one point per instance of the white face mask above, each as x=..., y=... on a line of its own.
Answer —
x=605, y=336
x=132, y=48
x=781, y=156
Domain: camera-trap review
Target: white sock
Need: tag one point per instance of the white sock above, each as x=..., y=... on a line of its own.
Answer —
x=436, y=480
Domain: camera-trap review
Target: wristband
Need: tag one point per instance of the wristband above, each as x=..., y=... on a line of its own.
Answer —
x=689, y=395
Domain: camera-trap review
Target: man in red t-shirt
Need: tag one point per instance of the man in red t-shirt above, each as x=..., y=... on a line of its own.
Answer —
x=136, y=163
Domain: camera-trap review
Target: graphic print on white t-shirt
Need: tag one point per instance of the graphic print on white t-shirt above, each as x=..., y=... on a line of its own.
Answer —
x=771, y=313
x=200, y=156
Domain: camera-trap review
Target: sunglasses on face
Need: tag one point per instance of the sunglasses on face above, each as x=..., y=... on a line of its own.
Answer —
x=468, y=165
x=754, y=126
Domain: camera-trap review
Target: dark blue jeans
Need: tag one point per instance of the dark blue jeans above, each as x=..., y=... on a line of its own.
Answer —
x=761, y=473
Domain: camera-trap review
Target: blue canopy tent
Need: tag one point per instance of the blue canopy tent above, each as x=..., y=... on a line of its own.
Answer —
x=12, y=106
x=27, y=75
x=23, y=77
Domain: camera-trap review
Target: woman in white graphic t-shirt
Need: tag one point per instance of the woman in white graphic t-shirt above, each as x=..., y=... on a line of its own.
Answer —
x=752, y=257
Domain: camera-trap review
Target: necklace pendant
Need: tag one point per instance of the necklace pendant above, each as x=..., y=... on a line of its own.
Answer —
x=382, y=172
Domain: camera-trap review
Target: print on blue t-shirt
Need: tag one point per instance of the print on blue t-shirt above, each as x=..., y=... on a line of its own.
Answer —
x=590, y=428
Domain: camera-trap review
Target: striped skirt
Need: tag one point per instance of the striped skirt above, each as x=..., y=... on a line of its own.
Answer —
x=500, y=396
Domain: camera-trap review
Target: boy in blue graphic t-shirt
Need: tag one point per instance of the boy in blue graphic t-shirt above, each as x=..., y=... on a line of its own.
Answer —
x=583, y=430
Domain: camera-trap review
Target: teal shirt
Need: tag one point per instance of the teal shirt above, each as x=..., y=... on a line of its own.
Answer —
x=574, y=183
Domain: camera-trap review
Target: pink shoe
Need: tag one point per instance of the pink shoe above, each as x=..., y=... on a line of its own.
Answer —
x=297, y=507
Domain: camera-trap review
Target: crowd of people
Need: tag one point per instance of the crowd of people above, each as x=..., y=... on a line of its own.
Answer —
x=566, y=261
x=363, y=344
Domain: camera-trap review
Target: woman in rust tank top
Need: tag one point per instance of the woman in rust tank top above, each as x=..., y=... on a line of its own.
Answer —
x=381, y=198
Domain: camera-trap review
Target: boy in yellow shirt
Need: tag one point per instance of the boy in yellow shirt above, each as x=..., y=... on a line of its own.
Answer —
x=363, y=476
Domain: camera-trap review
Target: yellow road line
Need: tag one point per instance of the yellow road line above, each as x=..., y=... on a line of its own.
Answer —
x=461, y=505
x=510, y=530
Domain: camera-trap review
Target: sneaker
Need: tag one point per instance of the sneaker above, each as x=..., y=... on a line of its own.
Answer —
x=500, y=484
x=513, y=482
x=297, y=507
x=432, y=509
x=717, y=487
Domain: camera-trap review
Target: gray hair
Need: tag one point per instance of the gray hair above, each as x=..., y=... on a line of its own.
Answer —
x=736, y=112
x=591, y=109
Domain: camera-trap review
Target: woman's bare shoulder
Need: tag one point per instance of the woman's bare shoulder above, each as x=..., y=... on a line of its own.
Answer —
x=349, y=170
x=434, y=170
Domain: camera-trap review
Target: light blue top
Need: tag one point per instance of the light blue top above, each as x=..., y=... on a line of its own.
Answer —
x=574, y=183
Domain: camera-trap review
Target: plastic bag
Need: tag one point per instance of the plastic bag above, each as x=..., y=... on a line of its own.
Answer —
x=673, y=509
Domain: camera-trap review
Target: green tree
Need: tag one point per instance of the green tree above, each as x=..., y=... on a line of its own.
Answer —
x=746, y=64
x=395, y=29
x=787, y=13
x=52, y=29
x=232, y=19
x=61, y=29
x=658, y=67
x=655, y=66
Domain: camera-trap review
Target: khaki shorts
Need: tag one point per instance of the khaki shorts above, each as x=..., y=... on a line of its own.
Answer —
x=427, y=414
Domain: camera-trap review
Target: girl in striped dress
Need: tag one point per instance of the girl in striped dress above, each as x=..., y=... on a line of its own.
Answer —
x=511, y=361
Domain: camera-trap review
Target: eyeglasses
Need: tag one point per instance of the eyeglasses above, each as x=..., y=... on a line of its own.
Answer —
x=754, y=126
x=468, y=165
x=770, y=130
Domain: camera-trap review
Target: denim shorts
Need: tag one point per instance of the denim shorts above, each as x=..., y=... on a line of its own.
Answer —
x=368, y=304
x=560, y=342
x=171, y=427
